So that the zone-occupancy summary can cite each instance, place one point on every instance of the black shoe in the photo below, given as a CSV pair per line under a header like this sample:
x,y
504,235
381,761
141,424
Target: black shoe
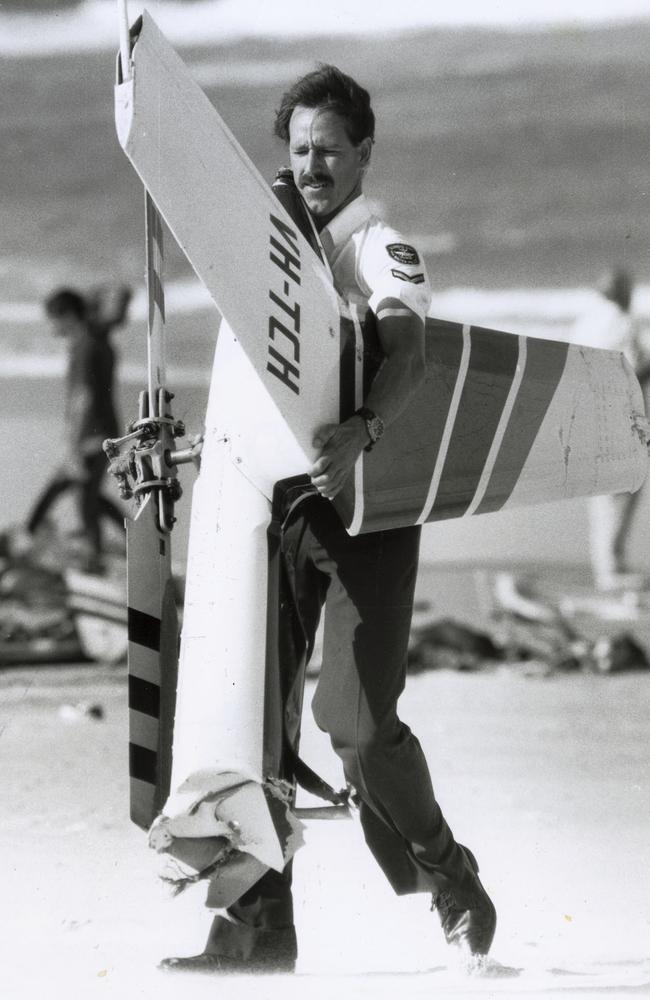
x,y
469,921
225,965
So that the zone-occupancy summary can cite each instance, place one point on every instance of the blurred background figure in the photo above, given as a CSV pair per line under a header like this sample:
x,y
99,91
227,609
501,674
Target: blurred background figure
x,y
609,323
86,321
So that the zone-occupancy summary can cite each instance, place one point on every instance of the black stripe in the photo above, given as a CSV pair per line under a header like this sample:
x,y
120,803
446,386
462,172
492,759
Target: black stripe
x,y
347,372
156,296
287,193
144,697
545,363
144,629
492,367
373,354
143,764
395,487
154,223
157,230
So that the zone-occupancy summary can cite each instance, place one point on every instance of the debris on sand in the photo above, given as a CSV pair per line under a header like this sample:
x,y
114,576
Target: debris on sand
x,y
36,625
622,652
75,713
536,635
51,610
451,645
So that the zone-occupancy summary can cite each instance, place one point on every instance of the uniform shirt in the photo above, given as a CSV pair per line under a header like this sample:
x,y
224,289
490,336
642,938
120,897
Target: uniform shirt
x,y
371,262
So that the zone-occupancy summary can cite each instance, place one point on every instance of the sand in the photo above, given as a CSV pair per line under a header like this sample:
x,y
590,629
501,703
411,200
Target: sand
x,y
546,779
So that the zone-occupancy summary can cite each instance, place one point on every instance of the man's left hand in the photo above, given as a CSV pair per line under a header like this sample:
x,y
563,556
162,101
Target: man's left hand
x,y
341,446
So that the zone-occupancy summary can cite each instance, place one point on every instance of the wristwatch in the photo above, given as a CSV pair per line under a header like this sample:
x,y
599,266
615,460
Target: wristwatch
x,y
374,425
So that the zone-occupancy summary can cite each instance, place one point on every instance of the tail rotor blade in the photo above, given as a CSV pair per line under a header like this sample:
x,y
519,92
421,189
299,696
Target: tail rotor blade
x,y
153,663
152,616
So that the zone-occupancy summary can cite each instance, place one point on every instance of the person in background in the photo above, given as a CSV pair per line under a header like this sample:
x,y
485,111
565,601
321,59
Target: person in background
x,y
90,416
610,324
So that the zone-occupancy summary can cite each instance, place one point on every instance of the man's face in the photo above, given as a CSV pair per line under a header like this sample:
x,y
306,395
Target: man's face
x,y
327,167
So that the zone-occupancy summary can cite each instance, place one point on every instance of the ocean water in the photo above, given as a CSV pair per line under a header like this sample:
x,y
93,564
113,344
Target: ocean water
x,y
517,159
63,25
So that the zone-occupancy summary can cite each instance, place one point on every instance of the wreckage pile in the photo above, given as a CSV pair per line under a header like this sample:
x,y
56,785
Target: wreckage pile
x,y
36,623
537,636
51,612
52,609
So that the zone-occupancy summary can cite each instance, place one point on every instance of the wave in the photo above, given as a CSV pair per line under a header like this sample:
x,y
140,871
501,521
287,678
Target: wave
x,y
549,313
552,305
92,24
181,299
53,366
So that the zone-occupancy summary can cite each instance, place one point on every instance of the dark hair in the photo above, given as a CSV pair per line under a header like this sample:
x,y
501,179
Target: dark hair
x,y
65,302
328,87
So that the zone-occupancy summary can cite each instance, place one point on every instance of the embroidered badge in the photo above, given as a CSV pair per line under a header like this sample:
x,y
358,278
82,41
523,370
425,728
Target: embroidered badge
x,y
415,279
403,253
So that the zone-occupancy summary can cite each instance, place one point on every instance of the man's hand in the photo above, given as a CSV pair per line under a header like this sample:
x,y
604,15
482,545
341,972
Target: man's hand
x,y
341,446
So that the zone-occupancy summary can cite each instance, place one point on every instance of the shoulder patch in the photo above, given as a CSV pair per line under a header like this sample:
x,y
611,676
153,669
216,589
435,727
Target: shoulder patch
x,y
403,253
415,279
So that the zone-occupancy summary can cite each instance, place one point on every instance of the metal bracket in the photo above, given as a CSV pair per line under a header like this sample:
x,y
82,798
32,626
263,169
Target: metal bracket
x,y
149,463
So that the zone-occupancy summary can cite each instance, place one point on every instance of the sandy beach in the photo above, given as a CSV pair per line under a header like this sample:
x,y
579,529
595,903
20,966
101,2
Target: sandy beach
x,y
546,778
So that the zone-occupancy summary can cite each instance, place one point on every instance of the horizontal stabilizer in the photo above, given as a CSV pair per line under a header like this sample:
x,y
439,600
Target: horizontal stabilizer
x,y
502,421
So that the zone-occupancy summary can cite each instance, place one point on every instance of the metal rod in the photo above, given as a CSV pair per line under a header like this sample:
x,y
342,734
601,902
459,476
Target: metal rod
x,y
156,299
323,812
125,39
185,455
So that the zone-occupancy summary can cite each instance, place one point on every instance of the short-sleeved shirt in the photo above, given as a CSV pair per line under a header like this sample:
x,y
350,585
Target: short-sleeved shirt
x,y
371,262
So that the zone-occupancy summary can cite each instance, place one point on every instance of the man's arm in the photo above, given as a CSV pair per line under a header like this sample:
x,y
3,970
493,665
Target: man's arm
x,y
401,334
108,306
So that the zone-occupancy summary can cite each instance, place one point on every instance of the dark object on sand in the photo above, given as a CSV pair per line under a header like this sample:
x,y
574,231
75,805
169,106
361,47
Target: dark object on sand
x,y
452,645
36,625
617,653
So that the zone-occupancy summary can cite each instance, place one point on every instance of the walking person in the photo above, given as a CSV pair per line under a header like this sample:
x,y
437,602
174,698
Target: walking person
x,y
89,413
365,583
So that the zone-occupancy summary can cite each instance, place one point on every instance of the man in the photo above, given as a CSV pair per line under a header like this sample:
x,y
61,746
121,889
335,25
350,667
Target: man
x,y
366,582
90,416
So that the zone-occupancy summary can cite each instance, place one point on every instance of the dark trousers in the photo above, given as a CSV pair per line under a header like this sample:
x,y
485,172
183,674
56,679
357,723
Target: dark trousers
x,y
92,505
367,585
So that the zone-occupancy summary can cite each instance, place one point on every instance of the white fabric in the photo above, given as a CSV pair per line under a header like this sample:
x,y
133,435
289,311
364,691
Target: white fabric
x,y
356,242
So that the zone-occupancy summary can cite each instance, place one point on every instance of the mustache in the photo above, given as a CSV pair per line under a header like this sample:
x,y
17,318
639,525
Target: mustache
x,y
315,179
